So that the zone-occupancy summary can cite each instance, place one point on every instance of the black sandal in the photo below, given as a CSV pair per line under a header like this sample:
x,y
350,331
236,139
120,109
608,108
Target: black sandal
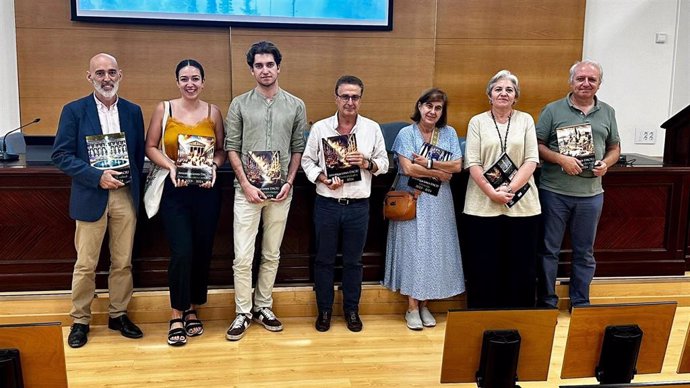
x,y
177,332
193,327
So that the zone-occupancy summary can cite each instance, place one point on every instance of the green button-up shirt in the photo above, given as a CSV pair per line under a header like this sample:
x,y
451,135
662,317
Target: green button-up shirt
x,y
255,123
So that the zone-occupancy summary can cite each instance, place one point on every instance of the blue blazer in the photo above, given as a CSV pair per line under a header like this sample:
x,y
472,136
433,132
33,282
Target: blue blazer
x,y
80,119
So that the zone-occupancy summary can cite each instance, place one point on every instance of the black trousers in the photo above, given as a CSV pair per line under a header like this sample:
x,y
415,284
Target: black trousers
x,y
499,256
190,217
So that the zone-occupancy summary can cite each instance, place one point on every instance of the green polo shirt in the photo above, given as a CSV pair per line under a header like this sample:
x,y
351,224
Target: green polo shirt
x,y
254,123
562,113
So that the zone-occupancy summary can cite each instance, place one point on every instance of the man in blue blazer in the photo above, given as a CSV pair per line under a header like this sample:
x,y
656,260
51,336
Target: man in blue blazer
x,y
99,201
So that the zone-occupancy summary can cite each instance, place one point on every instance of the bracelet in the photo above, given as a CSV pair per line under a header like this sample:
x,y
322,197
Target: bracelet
x,y
428,164
216,164
288,182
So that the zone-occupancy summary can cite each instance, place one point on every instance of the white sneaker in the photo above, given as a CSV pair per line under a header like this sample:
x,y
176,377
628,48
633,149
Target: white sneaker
x,y
414,322
427,318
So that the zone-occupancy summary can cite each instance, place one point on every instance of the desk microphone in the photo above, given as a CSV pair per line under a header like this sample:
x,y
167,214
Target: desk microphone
x,y
4,156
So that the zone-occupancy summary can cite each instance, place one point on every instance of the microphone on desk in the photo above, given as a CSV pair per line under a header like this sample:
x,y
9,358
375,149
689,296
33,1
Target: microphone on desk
x,y
4,156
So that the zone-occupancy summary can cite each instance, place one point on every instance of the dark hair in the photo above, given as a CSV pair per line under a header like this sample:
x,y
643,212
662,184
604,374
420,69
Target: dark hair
x,y
349,80
432,95
189,62
263,47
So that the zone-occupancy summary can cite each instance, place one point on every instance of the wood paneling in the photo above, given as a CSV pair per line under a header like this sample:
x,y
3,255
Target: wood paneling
x,y
455,45
641,232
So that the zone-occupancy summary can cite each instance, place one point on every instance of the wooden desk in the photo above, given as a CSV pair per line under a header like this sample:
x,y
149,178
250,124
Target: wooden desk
x,y
643,230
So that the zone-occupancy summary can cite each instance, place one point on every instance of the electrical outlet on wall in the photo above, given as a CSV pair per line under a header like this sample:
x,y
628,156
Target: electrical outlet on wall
x,y
645,136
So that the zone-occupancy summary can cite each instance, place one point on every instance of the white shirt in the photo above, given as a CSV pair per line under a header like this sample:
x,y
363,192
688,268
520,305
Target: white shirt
x,y
109,117
370,144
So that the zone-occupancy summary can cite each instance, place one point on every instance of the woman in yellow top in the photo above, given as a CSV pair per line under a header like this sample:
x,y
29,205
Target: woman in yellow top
x,y
189,210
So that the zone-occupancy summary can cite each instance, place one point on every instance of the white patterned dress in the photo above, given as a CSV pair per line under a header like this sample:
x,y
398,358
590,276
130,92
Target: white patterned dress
x,y
423,255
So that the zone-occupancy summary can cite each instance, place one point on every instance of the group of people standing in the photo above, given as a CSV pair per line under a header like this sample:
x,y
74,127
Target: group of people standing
x,y
500,244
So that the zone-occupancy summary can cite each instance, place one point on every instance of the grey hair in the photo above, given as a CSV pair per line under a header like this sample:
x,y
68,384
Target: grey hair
x,y
503,74
586,62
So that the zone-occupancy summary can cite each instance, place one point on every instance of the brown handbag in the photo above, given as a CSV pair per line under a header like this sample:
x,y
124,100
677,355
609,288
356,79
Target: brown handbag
x,y
400,205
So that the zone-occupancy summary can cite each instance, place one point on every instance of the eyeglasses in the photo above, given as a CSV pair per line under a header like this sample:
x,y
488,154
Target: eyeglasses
x,y
346,97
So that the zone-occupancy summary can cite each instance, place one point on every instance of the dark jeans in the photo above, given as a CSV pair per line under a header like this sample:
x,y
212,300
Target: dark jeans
x,y
331,218
581,215
499,255
190,216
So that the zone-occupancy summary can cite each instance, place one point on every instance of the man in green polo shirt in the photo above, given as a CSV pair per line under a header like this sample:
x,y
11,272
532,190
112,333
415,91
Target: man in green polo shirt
x,y
570,188
265,122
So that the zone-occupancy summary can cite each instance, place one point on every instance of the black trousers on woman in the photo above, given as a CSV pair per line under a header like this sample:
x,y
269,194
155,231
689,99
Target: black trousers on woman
x,y
499,255
190,217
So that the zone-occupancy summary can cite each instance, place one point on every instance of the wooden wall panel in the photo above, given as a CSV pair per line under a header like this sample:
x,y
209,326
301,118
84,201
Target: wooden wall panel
x,y
535,40
53,59
395,66
453,44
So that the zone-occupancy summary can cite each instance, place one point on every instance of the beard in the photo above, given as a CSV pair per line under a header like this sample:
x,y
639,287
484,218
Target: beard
x,y
106,93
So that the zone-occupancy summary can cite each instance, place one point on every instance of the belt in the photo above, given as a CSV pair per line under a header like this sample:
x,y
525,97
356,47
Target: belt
x,y
345,201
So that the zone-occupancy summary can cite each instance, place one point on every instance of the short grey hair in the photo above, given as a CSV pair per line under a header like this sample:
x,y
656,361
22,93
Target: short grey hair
x,y
503,74
586,62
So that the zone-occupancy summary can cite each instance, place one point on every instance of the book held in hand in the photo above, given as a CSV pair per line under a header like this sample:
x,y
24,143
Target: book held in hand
x,y
195,158
577,141
109,152
430,185
262,169
502,173
335,148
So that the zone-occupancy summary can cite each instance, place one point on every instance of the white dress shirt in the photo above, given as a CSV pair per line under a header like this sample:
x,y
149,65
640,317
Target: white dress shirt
x,y
109,117
370,144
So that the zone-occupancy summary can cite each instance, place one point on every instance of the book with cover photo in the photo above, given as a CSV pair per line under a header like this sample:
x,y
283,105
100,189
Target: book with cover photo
x,y
430,185
262,169
577,141
195,158
109,152
335,148
502,173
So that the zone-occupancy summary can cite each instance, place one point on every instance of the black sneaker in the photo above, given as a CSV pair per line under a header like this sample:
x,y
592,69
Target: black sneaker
x,y
265,316
238,327
353,321
323,321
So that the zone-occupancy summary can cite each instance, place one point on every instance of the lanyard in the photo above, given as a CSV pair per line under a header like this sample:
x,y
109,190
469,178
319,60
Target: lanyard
x,y
503,142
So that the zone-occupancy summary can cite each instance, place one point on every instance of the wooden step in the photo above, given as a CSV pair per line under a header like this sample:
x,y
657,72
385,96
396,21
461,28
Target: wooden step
x,y
152,306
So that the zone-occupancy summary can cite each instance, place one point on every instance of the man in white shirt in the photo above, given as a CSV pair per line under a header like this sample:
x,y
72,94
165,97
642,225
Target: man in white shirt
x,y
342,206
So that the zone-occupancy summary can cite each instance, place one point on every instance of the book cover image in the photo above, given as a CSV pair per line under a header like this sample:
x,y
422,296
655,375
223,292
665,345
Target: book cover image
x,y
109,152
430,185
262,169
335,148
577,141
195,158
502,173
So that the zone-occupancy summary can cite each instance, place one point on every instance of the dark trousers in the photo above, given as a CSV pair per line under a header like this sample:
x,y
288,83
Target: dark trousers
x,y
499,255
330,219
190,216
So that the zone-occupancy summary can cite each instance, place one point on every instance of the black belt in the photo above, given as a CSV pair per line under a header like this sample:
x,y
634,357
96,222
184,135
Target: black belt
x,y
345,201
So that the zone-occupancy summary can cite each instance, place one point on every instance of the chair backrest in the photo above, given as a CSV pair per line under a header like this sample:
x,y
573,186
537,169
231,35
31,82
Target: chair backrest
x,y
390,131
15,143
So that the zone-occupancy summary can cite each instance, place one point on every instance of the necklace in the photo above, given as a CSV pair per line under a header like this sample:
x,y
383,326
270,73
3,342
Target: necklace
x,y
502,142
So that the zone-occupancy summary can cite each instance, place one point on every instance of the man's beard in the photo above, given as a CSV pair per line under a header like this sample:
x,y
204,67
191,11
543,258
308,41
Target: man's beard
x,y
106,93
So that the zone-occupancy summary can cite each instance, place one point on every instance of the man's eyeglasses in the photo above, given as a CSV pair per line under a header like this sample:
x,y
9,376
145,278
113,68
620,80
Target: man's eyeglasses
x,y
346,97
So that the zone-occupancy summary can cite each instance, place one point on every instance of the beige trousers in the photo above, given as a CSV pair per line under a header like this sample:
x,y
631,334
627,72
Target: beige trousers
x,y
120,220
245,228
